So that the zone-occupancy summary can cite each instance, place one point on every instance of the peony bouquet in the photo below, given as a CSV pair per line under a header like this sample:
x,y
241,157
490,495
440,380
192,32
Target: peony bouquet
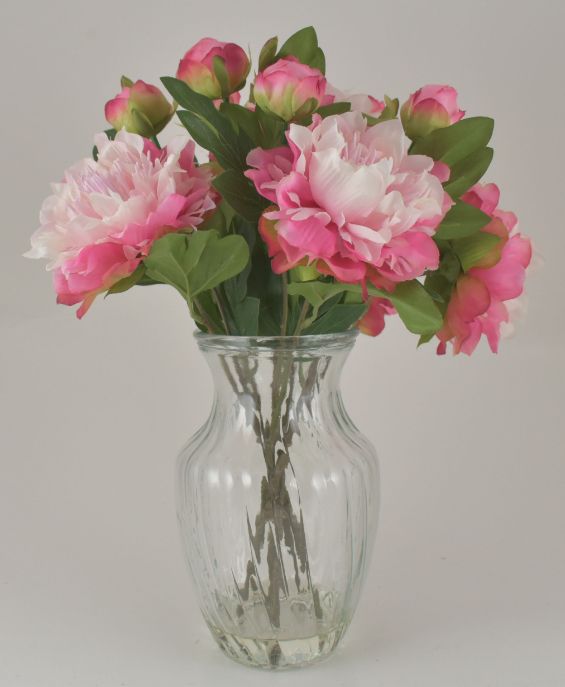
x,y
313,210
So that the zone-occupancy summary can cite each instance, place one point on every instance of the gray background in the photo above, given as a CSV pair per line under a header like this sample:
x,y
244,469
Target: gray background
x,y
467,583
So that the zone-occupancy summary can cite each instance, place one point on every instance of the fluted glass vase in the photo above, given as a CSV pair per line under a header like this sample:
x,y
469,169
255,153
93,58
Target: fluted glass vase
x,y
277,499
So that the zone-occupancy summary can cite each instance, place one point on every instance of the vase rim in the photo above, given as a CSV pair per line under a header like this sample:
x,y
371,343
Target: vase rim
x,y
303,342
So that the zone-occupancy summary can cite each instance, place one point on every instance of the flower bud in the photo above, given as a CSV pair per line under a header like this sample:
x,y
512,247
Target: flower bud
x,y
289,89
429,108
139,108
214,69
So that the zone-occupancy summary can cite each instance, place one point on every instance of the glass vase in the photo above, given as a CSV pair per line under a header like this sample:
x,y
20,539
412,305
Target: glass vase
x,y
277,498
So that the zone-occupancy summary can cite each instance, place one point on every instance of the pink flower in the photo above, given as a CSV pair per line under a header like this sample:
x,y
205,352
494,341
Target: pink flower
x,y
197,67
103,218
270,168
350,198
429,108
373,322
482,298
289,89
140,109
359,102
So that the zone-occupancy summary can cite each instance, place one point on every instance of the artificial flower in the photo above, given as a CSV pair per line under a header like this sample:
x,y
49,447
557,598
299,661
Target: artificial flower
x,y
140,108
289,89
198,69
430,107
360,102
350,198
103,218
483,297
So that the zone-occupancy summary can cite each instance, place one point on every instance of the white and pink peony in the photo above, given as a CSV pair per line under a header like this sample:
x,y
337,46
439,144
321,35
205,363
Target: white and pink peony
x,y
104,216
350,198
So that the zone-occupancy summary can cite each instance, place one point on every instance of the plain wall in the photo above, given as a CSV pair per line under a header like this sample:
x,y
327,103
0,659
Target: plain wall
x,y
467,582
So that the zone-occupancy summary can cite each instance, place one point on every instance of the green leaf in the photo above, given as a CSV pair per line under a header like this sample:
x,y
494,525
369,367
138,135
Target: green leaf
x,y
304,273
303,45
461,220
334,108
468,171
319,60
271,129
317,292
450,267
243,120
268,53
473,249
240,194
424,338
246,316
390,112
173,256
337,319
127,282
221,259
197,262
416,308
414,305
439,287
210,128
126,82
456,142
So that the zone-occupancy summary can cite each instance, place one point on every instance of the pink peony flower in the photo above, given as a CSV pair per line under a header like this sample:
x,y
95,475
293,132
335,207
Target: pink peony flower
x,y
429,108
104,216
373,321
197,67
289,89
482,298
140,109
359,102
350,198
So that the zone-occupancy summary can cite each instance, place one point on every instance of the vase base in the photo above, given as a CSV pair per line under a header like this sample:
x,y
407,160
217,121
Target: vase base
x,y
275,653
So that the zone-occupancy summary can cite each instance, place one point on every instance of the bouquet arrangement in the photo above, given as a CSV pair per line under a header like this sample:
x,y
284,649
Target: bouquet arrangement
x,y
316,211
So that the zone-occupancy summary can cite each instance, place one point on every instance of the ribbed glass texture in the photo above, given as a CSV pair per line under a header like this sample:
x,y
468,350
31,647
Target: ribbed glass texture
x,y
277,499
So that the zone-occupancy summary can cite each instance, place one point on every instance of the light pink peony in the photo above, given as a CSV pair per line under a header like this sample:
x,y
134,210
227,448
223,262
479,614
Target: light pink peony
x,y
350,198
483,297
104,216
140,108
197,67
360,102
289,89
429,108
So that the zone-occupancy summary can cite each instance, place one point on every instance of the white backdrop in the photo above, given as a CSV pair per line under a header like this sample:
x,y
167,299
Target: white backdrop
x,y
467,582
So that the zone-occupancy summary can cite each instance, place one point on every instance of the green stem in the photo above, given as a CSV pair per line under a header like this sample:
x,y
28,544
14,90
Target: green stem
x,y
203,316
284,322
218,302
301,318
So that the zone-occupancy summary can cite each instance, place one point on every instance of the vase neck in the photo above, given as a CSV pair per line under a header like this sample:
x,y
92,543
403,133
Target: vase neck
x,y
276,375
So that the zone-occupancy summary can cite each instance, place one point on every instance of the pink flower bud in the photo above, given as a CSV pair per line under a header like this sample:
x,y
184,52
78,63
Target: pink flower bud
x,y
140,109
213,68
289,89
429,108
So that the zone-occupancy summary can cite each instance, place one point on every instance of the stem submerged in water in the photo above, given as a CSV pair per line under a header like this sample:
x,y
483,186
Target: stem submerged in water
x,y
278,529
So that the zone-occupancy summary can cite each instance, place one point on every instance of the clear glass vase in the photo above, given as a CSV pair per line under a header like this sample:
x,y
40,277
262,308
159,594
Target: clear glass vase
x,y
277,499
